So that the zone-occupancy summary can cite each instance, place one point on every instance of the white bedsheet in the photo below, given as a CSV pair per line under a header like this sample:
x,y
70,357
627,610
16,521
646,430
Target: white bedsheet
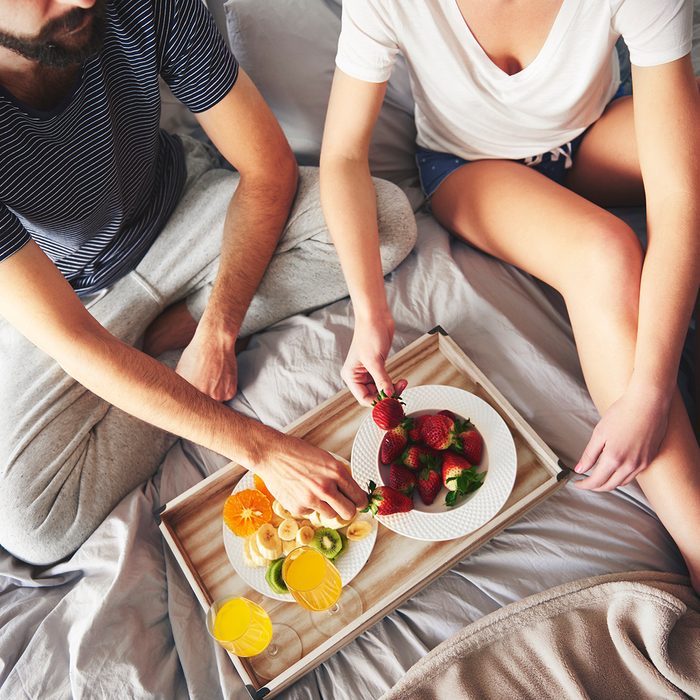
x,y
118,620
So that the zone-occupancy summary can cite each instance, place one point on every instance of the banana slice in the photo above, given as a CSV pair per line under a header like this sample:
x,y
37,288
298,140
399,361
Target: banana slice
x,y
305,523
256,558
246,555
315,519
269,544
335,523
287,530
276,520
278,508
288,546
304,535
358,530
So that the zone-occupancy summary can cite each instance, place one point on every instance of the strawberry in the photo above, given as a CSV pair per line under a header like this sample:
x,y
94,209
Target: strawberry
x,y
393,443
387,411
428,484
472,443
414,456
437,432
414,431
383,500
402,479
452,466
459,477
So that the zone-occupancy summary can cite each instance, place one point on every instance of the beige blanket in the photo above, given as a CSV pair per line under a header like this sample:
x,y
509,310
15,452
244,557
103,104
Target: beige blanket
x,y
633,635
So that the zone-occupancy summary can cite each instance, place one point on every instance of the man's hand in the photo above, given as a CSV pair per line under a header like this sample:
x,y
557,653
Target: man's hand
x,y
364,370
626,440
209,364
304,478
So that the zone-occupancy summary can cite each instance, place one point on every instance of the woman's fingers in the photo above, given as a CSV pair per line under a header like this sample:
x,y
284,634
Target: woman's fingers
x,y
590,455
399,386
382,380
360,383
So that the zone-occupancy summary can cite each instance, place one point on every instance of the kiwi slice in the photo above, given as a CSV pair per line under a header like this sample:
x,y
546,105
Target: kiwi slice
x,y
343,545
327,541
273,576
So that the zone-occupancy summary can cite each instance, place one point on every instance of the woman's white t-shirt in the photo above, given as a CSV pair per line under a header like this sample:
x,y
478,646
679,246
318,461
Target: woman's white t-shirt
x,y
467,106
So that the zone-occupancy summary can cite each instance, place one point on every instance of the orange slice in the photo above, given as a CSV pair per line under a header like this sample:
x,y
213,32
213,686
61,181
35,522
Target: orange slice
x,y
260,486
246,511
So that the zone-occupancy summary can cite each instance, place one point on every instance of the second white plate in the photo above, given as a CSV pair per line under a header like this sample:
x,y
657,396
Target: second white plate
x,y
438,522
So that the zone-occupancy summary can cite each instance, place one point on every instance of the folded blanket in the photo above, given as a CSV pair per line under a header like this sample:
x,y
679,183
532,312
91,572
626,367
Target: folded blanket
x,y
632,635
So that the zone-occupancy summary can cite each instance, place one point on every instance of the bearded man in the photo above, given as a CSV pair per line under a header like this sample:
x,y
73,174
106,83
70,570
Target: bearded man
x,y
115,234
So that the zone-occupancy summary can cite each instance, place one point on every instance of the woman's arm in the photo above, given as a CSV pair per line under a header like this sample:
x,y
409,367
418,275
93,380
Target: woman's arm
x,y
349,205
667,126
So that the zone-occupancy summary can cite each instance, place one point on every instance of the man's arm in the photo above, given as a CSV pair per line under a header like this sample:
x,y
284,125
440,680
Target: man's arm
x,y
247,134
37,300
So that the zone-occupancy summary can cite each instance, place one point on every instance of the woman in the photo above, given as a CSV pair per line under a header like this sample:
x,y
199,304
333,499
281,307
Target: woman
x,y
522,140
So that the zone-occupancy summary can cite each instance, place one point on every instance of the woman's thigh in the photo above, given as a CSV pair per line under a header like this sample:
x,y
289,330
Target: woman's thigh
x,y
606,165
520,216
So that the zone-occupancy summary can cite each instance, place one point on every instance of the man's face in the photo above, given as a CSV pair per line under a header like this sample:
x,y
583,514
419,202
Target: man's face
x,y
55,33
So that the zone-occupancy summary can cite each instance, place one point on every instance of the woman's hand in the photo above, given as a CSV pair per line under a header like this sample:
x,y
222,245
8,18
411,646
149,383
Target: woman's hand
x,y
626,439
364,370
304,478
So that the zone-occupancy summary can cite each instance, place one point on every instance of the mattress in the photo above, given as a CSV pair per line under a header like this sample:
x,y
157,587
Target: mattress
x,y
118,618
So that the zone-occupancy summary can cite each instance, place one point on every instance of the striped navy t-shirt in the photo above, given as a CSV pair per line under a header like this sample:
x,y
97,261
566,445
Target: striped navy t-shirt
x,y
94,180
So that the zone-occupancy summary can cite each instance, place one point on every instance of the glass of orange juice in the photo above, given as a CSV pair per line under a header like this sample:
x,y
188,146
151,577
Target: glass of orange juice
x,y
311,578
243,628
316,585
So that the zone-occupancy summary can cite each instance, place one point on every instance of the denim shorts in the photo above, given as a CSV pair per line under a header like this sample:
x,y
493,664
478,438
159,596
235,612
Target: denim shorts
x,y
434,167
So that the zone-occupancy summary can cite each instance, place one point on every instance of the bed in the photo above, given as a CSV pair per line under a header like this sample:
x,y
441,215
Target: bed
x,y
118,619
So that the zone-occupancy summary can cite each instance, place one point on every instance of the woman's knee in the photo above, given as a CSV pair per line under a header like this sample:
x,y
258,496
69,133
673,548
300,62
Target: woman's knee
x,y
609,264
396,222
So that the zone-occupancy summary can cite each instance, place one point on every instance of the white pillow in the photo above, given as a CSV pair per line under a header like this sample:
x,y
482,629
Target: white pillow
x,y
288,48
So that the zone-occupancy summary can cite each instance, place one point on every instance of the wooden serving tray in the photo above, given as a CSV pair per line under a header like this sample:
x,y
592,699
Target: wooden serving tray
x,y
192,523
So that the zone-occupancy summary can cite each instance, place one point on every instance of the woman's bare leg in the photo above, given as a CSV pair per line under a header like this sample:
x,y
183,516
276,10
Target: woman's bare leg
x,y
594,260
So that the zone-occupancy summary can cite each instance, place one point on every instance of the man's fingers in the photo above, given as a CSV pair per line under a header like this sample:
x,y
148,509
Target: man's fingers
x,y
305,512
354,493
339,503
326,511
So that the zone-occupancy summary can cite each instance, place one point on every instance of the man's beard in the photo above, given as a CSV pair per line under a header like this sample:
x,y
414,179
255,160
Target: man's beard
x,y
52,48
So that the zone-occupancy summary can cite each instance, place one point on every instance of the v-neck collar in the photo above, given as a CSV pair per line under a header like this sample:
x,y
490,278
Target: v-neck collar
x,y
554,37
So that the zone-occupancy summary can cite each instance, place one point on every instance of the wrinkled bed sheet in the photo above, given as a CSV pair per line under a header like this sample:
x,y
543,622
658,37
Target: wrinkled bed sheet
x,y
118,620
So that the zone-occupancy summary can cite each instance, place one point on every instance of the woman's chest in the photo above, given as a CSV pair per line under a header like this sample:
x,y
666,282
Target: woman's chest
x,y
511,33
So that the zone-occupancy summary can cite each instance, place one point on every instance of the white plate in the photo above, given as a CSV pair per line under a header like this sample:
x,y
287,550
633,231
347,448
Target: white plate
x,y
438,522
349,563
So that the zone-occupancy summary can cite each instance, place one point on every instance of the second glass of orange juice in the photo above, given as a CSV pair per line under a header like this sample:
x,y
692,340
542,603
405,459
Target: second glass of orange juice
x,y
311,578
240,626
244,628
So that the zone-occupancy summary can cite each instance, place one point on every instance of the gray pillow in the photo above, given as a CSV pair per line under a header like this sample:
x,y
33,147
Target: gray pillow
x,y
288,48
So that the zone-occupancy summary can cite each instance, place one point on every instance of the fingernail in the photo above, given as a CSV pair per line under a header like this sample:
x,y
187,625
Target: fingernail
x,y
578,468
